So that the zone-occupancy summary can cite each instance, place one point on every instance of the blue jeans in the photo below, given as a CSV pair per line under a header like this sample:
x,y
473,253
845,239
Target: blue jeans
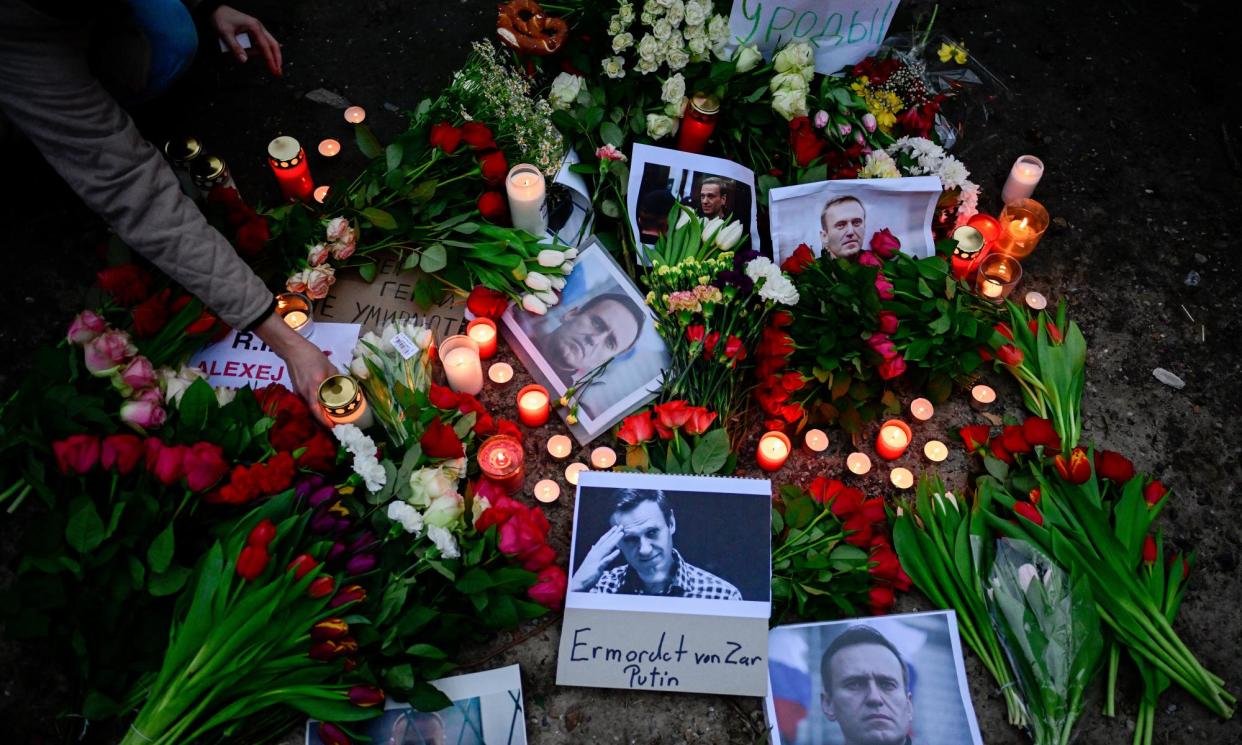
x,y
139,54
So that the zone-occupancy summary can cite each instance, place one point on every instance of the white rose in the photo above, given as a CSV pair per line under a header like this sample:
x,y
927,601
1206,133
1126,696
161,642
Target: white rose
x,y
696,13
565,89
677,110
538,282
426,484
550,257
788,81
621,42
174,382
666,4
660,126
478,507
626,13
534,305
444,510
697,45
662,29
790,104
797,58
444,541
615,25
317,254
676,13
677,59
674,89
747,58
653,8
718,29
729,237
406,516
614,67
648,48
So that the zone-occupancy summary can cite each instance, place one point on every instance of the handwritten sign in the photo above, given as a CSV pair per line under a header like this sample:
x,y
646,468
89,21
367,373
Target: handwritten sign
x,y
242,359
389,298
663,652
842,32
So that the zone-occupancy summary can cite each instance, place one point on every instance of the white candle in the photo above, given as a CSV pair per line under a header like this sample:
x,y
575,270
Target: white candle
x,y
547,491
902,478
321,193
329,147
992,288
922,409
982,396
559,446
355,114
295,318
501,372
572,471
816,440
858,463
1036,300
936,451
1023,178
460,356
525,187
603,457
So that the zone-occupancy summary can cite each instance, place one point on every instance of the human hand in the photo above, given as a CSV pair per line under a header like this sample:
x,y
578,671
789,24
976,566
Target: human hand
x,y
230,22
597,559
308,365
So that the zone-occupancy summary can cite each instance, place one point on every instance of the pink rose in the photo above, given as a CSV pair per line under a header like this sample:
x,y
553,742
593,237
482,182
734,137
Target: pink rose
x,y
318,281
142,414
297,281
164,462
609,152
883,286
139,374
342,250
85,327
107,352
203,465
885,244
882,345
317,254
821,119
549,587
867,258
339,231
888,322
891,368
869,122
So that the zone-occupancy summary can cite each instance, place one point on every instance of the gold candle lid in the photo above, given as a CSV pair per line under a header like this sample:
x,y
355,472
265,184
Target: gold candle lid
x,y
969,240
207,170
339,394
705,103
182,150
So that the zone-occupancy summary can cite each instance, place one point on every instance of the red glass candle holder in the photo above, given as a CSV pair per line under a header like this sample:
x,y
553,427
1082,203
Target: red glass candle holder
x,y
969,249
502,461
483,331
534,406
698,123
773,450
288,162
894,438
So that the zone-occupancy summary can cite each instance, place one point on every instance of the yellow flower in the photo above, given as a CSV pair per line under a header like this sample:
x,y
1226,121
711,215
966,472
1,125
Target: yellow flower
x,y
949,51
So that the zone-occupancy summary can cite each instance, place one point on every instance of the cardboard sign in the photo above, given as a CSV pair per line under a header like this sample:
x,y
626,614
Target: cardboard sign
x,y
842,32
671,586
389,298
242,359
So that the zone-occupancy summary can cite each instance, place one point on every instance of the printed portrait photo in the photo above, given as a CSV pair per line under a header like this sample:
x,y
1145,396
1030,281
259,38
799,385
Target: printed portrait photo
x,y
601,322
890,680
487,709
667,537
710,187
840,217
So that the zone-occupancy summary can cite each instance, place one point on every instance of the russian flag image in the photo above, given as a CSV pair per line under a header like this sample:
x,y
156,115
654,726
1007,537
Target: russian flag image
x,y
791,681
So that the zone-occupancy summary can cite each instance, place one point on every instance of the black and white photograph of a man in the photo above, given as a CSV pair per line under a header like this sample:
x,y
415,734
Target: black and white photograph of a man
x,y
663,542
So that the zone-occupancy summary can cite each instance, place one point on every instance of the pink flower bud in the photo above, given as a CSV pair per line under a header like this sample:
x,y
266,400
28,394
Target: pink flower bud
x,y
845,128
86,326
869,122
139,373
142,415
821,119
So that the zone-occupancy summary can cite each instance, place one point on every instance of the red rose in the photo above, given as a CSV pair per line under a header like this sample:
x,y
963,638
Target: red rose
x,y
494,207
975,436
806,143
1153,493
883,287
868,258
203,465
884,565
508,427
76,453
672,414
151,314
294,425
445,136
888,322
885,244
318,453
1009,355
121,452
846,502
1014,442
1114,466
549,588
799,260
1076,469
477,135
494,167
485,302
1027,510
1039,431
792,412
882,345
500,510
695,333
892,368
997,446
252,236
539,558
636,429
523,533
781,319
251,562
881,600
440,441
442,397
699,421
127,284
164,461
873,510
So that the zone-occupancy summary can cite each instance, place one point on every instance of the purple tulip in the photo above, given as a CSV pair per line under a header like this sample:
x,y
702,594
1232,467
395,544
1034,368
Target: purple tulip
x,y
360,564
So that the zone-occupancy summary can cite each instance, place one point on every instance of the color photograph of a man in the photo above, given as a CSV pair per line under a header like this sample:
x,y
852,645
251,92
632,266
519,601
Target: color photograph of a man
x,y
843,226
715,197
867,689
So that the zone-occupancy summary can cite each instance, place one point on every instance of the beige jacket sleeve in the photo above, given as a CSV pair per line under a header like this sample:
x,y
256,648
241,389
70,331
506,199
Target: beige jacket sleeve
x,y
48,92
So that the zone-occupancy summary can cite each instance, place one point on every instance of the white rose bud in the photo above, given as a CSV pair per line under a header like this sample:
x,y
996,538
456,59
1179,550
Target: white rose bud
x,y
748,57
550,257
660,126
538,282
534,305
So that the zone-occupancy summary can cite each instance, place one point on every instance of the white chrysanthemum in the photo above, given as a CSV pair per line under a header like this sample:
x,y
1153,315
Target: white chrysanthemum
x,y
444,541
614,67
408,517
953,174
673,89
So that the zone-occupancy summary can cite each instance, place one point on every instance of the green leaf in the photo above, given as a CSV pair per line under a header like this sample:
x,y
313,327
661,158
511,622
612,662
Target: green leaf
x,y
368,271
711,452
426,650
160,552
169,582
367,143
475,580
401,676
85,529
434,258
611,134
393,155
379,218
197,404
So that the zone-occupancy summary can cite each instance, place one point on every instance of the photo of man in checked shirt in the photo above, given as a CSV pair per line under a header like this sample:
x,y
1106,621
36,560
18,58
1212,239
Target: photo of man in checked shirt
x,y
642,529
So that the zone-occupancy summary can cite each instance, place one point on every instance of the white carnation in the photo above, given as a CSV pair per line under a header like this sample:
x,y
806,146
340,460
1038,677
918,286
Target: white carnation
x,y
444,541
778,288
408,517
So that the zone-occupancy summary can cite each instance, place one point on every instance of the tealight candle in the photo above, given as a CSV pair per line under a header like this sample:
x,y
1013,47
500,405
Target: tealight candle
x,y
603,458
982,396
321,193
922,409
288,163
936,451
1036,300
1023,178
998,276
893,439
858,463
483,331
527,205
295,309
547,491
502,461
1023,223
560,446
329,148
500,372
773,450
460,356
901,478
355,114
533,405
816,440
572,470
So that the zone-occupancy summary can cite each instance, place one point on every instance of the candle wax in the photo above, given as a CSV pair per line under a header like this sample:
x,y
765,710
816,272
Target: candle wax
x,y
858,463
547,491
329,148
533,400
895,437
603,457
295,318
992,288
572,471
1036,300
501,372
816,440
902,478
983,394
922,409
355,114
559,446
936,451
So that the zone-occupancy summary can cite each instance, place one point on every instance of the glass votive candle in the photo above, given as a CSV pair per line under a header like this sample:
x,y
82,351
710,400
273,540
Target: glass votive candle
x,y
460,357
483,331
1022,225
560,446
294,309
998,276
503,462
533,405
1023,178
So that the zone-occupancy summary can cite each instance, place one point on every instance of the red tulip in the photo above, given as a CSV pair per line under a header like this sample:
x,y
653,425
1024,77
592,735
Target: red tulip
x,y
366,696
1004,330
1054,334
1113,466
1029,512
1076,469
330,649
1034,495
76,453
261,534
1154,492
1009,355
975,436
636,428
445,136
330,734
1149,551
348,594
321,586
301,565
440,441
251,562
